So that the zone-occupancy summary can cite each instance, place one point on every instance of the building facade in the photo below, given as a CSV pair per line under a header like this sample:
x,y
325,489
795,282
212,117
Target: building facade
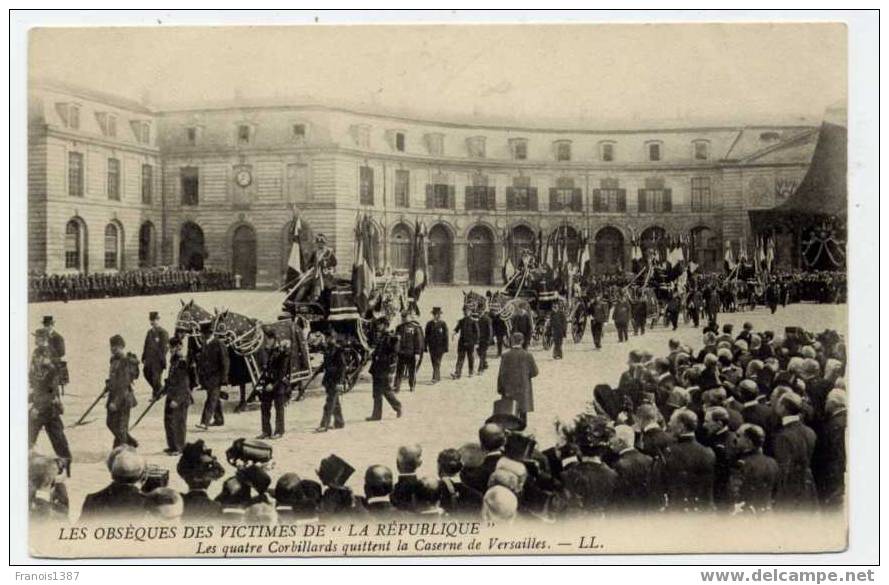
x,y
231,179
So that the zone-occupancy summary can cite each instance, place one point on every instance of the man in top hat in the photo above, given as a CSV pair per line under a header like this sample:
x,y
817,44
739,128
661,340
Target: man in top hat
x,y
337,499
410,349
437,339
383,359
154,353
123,371
467,330
198,467
44,403
178,399
56,344
517,369
122,497
212,366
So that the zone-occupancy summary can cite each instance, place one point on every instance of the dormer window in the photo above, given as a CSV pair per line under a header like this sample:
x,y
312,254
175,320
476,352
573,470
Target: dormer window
x,y
701,149
562,150
361,135
475,145
107,123
70,114
399,141
245,134
519,148
141,130
435,143
654,151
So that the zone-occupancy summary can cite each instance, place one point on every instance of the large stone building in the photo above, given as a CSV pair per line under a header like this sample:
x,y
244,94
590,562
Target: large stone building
x,y
223,182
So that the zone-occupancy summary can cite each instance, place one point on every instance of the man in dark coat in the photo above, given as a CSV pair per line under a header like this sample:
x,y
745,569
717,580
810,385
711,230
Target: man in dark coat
x,y
122,498
589,484
829,460
598,311
558,324
57,350
722,441
754,476
637,488
274,386
524,324
198,467
154,353
178,399
653,441
334,367
404,493
485,334
639,308
212,370
382,365
410,349
517,369
755,412
500,331
437,338
688,467
467,330
491,438
44,402
377,492
457,498
621,317
672,310
793,446
123,370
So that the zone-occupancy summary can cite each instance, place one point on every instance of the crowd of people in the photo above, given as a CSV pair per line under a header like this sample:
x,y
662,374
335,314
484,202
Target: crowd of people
x,y
749,423
126,283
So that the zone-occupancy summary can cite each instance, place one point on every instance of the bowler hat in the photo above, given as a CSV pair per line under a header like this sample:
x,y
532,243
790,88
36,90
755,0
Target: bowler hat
x,y
48,320
153,315
117,341
288,491
334,471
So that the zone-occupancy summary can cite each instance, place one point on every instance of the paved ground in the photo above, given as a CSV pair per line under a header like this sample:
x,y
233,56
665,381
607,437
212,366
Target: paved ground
x,y
437,417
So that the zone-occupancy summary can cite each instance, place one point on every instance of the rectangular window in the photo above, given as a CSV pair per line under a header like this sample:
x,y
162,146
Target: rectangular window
x,y
191,135
74,117
113,179
147,179
701,198
607,152
655,201
520,150
75,174
564,196
111,245
366,186
654,152
243,134
521,196
72,246
190,184
440,197
702,151
299,131
609,198
479,197
399,141
563,151
402,188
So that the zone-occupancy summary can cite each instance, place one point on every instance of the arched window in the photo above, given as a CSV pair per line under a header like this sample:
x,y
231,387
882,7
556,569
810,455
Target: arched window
x,y
75,245
400,247
112,247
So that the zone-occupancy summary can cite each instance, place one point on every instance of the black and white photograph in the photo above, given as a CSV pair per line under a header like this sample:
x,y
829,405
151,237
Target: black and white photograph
x,y
416,290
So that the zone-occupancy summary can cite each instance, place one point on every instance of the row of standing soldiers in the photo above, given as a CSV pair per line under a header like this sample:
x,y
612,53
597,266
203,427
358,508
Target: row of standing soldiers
x,y
69,287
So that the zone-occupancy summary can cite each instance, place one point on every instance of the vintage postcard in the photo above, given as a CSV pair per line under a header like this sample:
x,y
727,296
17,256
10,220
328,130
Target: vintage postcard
x,y
436,290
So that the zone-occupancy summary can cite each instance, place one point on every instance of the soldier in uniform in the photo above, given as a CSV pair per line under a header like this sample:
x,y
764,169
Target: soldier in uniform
x,y
334,367
467,329
124,369
383,361
754,476
500,330
154,353
558,325
212,370
437,339
325,259
410,349
56,345
485,335
274,386
688,466
598,317
621,317
178,399
44,403
794,446
639,308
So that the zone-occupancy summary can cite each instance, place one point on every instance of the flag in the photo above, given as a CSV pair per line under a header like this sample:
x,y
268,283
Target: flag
x,y
770,254
729,257
508,269
760,255
362,273
295,260
583,256
419,276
